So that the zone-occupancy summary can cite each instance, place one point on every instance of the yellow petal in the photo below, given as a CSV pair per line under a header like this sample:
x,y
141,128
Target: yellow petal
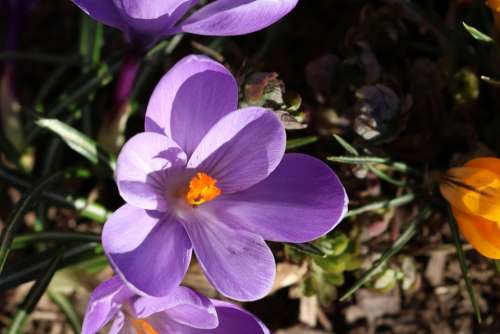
x,y
479,195
488,163
482,234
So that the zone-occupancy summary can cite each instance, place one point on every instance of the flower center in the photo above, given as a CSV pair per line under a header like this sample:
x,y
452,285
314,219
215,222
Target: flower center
x,y
143,327
202,188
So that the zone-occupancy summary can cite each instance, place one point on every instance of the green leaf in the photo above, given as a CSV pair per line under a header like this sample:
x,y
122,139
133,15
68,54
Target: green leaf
x,y
77,141
463,264
384,204
31,300
24,204
307,248
478,35
58,237
26,270
299,142
65,306
403,239
348,147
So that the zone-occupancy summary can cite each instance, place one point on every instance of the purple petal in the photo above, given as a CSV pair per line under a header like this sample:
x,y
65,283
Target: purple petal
x,y
103,11
148,21
234,319
195,94
151,262
118,325
142,168
183,305
242,149
300,201
104,304
239,264
236,17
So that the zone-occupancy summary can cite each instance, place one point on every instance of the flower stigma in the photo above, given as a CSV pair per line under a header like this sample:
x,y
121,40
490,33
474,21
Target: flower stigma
x,y
143,327
202,188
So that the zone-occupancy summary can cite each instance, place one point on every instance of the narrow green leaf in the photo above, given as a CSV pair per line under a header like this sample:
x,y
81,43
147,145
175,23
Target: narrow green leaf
x,y
77,141
362,160
403,239
31,300
58,237
31,268
348,147
299,142
463,264
65,306
384,204
383,176
307,248
24,204
478,35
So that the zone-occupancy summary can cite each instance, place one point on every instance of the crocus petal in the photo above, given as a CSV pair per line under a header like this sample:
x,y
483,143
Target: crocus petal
x,y
160,258
482,234
119,325
148,21
142,168
300,201
104,304
195,94
182,305
488,163
234,319
480,196
103,11
239,264
236,17
242,149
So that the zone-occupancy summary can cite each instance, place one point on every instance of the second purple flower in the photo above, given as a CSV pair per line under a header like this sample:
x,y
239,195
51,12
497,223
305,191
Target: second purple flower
x,y
209,177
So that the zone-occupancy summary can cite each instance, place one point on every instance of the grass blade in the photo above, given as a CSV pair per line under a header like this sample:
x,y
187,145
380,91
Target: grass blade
x,y
463,265
59,237
299,142
385,204
24,204
307,248
30,269
31,300
65,306
77,141
478,35
396,247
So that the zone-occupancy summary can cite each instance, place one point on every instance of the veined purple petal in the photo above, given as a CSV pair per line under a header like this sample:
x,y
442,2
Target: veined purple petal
x,y
157,264
242,149
236,17
195,94
104,304
142,168
183,305
239,264
300,201
103,11
234,319
120,325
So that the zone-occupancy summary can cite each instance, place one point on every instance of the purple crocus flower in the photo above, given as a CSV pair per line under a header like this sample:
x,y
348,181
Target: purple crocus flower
x,y
184,311
145,21
208,177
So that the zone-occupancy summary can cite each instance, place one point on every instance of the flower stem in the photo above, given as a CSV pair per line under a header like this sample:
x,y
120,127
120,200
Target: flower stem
x,y
111,135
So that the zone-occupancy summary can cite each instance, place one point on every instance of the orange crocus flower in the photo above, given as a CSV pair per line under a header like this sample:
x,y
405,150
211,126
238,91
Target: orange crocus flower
x,y
473,192
494,6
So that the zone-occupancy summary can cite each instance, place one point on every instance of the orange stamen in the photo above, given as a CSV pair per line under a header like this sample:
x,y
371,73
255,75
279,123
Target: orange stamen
x,y
143,327
202,188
